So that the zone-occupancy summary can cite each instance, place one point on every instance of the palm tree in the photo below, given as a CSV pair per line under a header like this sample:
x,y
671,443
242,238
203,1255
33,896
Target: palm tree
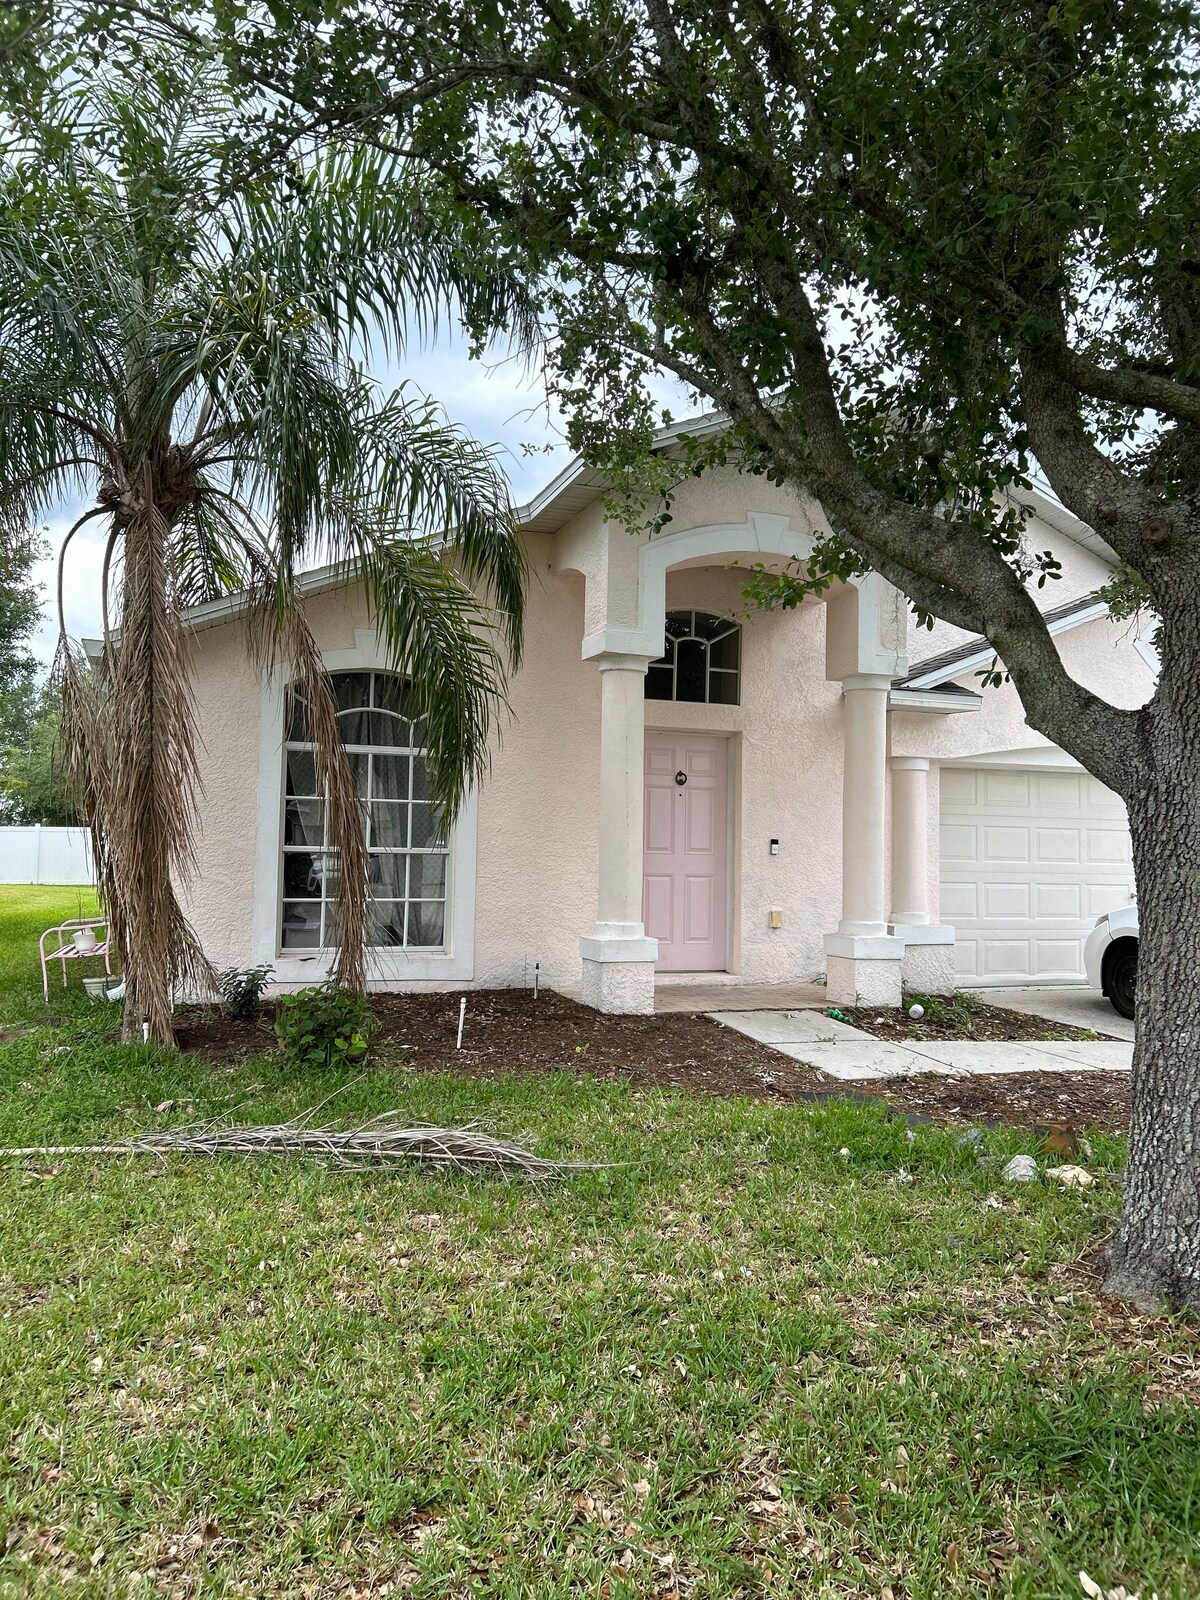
x,y
181,358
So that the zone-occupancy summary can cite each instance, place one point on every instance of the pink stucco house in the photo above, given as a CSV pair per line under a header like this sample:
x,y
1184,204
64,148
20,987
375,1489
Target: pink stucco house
x,y
687,787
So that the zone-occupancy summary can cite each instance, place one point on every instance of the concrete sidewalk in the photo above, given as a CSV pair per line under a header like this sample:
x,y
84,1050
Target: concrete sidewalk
x,y
850,1054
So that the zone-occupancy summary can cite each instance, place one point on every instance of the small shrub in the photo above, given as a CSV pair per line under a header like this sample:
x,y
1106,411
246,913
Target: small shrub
x,y
323,1027
241,989
936,1009
959,1010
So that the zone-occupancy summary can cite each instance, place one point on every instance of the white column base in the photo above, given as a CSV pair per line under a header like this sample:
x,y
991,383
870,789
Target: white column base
x,y
863,970
618,969
928,964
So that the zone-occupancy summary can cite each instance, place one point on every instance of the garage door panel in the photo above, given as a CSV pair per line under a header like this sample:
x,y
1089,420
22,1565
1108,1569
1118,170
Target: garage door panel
x,y
960,902
1005,789
966,962
1005,844
1007,960
1061,901
1006,900
1056,846
959,843
958,786
1102,802
1029,861
1058,791
1057,958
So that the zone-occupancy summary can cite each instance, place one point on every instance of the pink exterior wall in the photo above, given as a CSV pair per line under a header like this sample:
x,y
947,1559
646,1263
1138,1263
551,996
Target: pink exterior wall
x,y
536,879
537,811
219,899
537,840
536,822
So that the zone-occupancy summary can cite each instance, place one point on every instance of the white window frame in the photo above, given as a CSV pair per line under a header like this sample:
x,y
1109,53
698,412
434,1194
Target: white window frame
x,y
674,641
384,965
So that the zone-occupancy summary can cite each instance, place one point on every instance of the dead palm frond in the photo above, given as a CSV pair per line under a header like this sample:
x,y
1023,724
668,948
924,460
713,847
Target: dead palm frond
x,y
385,1142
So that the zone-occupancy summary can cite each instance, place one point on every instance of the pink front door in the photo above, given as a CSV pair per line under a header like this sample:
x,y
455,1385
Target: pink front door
x,y
684,873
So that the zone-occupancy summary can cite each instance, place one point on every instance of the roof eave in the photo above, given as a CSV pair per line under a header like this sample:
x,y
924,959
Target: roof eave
x,y
933,701
576,486
977,654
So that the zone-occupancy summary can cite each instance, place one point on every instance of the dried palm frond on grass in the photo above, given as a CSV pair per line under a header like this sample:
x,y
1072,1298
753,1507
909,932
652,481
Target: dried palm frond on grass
x,y
383,1142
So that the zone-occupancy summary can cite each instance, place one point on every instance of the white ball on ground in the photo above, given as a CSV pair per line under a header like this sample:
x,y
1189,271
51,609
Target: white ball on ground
x,y
916,1012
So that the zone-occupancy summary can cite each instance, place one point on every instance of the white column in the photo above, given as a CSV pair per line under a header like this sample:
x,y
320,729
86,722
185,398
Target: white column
x,y
910,840
622,747
862,960
864,804
618,959
928,965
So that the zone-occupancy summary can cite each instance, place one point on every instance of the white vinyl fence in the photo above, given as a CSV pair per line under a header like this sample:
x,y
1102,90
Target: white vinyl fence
x,y
45,855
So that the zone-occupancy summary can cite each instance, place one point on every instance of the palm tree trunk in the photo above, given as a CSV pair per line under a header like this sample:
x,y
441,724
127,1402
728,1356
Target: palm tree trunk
x,y
145,818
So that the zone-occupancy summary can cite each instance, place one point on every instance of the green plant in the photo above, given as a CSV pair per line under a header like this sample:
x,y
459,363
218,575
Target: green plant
x,y
958,1010
323,1027
241,988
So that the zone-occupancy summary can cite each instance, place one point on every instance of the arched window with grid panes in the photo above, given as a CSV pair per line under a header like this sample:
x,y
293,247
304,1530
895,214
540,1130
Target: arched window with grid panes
x,y
409,856
702,662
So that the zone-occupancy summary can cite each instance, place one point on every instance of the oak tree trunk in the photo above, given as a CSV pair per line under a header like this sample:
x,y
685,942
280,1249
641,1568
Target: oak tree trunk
x,y
1155,1255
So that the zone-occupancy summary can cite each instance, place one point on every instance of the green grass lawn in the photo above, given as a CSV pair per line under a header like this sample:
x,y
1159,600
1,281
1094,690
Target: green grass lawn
x,y
26,911
740,1362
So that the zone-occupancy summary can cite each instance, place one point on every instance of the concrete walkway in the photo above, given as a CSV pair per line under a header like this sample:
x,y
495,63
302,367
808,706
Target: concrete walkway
x,y
848,1053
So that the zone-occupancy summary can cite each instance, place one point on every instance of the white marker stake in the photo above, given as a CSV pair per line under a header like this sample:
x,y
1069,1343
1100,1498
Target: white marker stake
x,y
537,973
146,1032
462,1017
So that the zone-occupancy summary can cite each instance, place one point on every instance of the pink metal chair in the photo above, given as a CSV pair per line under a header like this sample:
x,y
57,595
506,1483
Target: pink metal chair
x,y
67,950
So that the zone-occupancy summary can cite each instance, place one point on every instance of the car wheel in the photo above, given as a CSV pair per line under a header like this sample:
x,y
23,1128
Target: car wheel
x,y
1120,976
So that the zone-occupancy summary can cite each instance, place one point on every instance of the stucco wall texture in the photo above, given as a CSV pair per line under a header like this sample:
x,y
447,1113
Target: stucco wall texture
x,y
535,890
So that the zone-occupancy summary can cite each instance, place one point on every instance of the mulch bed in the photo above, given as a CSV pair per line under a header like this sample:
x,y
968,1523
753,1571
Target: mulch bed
x,y
980,1022
508,1031
1047,1101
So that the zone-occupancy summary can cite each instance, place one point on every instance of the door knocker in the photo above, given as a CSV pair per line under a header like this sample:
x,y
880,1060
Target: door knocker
x,y
681,778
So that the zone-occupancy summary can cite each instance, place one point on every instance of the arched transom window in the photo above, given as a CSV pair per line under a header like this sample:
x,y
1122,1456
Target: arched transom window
x,y
409,855
701,663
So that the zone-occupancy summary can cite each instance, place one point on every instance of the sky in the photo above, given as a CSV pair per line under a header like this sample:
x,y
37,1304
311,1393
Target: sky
x,y
495,400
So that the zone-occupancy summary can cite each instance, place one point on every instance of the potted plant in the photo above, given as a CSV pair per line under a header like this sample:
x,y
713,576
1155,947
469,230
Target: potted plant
x,y
84,940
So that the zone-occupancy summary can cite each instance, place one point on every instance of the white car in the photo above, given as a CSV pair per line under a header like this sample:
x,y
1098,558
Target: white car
x,y
1110,956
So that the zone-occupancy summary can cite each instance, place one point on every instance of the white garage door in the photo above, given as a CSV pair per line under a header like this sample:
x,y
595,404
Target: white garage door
x,y
1029,861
